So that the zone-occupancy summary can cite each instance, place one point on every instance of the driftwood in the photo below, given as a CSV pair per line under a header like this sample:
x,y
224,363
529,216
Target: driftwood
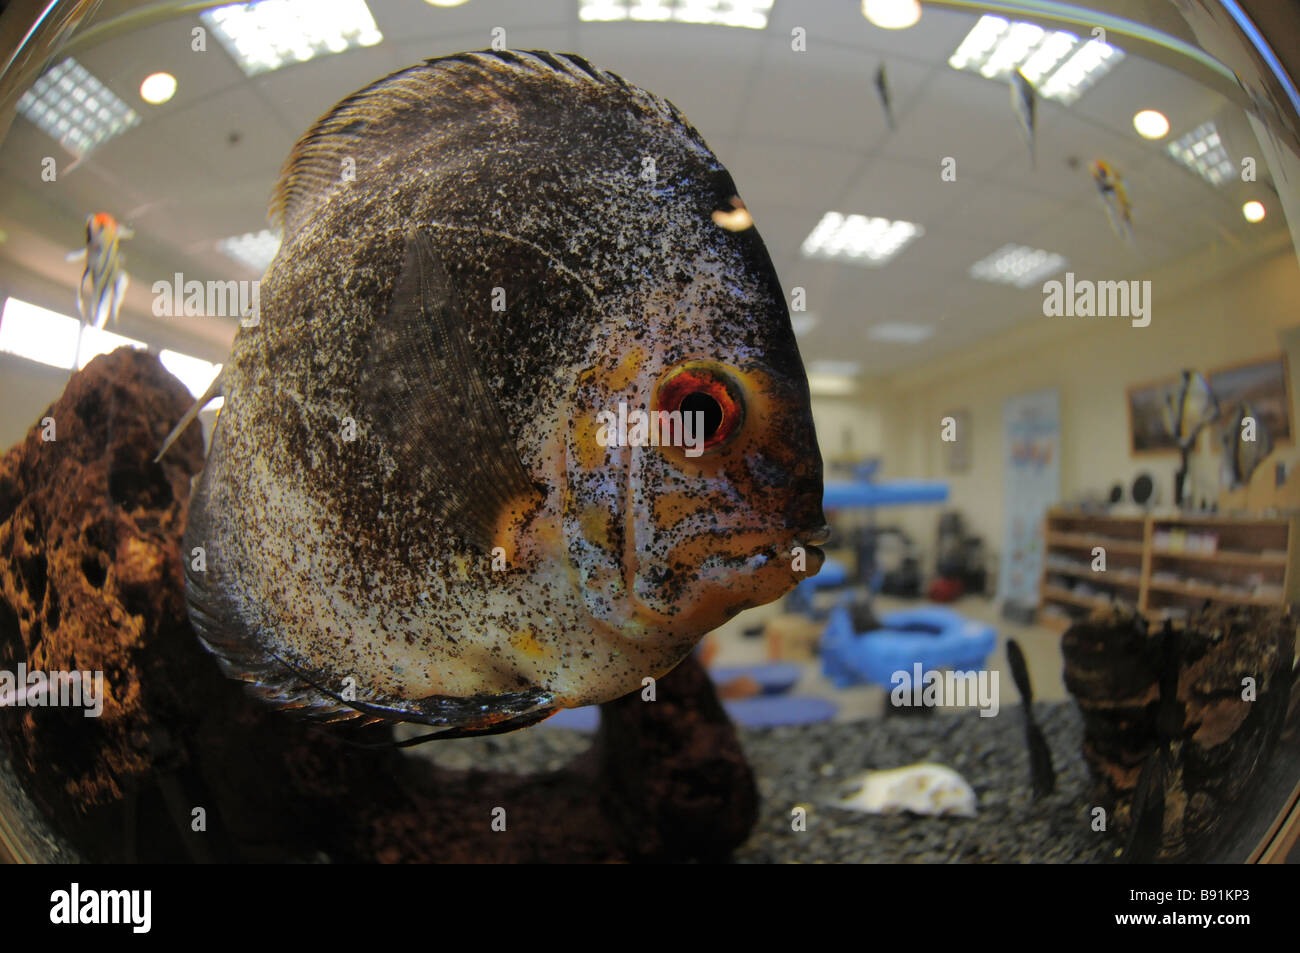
x,y
90,579
1178,721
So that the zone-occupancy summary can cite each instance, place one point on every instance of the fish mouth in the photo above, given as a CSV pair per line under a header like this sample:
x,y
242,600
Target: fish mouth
x,y
811,539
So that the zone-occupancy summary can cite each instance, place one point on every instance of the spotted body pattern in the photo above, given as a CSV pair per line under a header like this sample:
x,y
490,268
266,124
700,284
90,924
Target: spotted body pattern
x,y
406,513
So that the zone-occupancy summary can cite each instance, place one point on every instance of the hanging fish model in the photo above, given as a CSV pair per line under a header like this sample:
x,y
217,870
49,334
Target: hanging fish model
x,y
103,282
1114,198
1246,441
1024,103
417,506
882,92
1186,411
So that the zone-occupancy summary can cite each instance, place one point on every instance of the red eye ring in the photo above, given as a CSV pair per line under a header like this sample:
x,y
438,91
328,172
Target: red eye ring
x,y
703,388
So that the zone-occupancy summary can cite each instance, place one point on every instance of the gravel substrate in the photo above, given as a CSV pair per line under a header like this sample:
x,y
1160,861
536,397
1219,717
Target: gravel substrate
x,y
809,765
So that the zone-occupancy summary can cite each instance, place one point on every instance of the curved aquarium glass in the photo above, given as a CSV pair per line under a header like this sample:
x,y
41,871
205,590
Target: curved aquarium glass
x,y
649,430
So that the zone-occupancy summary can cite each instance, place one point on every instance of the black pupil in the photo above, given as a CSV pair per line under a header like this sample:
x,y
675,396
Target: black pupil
x,y
700,402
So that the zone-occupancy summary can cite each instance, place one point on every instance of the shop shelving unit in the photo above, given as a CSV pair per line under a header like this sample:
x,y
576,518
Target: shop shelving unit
x,y
1164,565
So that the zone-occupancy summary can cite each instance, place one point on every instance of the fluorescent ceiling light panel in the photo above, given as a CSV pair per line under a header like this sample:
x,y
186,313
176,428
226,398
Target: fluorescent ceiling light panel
x,y
830,385
96,341
836,368
1017,265
898,333
1202,151
1057,62
273,33
859,238
38,334
48,337
75,108
195,373
255,250
750,14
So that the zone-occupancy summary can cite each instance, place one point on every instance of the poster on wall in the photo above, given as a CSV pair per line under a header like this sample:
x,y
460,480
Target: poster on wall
x,y
1031,445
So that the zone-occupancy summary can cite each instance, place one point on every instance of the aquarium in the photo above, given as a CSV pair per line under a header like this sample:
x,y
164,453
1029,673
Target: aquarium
x,y
580,431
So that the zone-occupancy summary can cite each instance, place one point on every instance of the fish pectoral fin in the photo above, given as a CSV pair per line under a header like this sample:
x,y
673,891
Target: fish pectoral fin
x,y
433,411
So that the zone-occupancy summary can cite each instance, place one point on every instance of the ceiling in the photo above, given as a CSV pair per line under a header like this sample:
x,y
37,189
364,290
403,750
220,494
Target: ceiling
x,y
801,132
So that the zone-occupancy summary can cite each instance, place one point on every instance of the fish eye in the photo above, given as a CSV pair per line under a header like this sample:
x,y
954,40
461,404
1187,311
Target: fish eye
x,y
708,390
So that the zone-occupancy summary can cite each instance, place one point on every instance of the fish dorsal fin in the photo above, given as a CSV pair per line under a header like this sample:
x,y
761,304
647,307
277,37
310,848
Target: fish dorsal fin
x,y
313,170
432,411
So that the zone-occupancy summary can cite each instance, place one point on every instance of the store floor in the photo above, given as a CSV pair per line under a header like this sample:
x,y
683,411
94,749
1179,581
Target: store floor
x,y
1040,645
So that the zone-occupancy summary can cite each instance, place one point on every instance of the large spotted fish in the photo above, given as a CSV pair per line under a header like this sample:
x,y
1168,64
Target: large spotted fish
x,y
418,505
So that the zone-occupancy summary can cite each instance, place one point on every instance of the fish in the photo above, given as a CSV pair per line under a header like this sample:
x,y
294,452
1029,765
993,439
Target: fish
x,y
103,282
412,509
1114,198
882,91
1042,774
1188,408
1242,457
1024,103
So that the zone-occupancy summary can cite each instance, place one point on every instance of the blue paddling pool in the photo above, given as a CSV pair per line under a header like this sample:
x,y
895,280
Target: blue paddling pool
x,y
932,636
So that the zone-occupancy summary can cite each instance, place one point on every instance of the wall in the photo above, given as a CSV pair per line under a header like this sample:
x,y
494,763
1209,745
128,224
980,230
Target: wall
x,y
1221,319
848,428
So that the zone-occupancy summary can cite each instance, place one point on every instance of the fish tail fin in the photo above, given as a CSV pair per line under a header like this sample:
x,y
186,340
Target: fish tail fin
x,y
211,394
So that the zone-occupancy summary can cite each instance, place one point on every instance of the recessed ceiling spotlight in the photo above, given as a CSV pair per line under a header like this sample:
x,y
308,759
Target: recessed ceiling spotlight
x,y
859,238
1057,62
1253,211
274,33
445,3
899,333
157,88
1151,124
256,250
1017,265
751,14
892,14
75,108
1202,151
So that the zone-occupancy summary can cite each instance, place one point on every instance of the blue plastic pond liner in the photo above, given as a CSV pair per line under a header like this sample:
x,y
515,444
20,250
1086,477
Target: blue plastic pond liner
x,y
773,678
933,636
764,711
843,494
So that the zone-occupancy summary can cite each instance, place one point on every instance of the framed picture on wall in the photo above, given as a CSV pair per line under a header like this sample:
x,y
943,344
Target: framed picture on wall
x,y
1260,383
1148,432
957,452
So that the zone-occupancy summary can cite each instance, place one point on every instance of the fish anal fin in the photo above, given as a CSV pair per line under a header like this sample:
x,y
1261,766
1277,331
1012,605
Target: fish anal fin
x,y
433,412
